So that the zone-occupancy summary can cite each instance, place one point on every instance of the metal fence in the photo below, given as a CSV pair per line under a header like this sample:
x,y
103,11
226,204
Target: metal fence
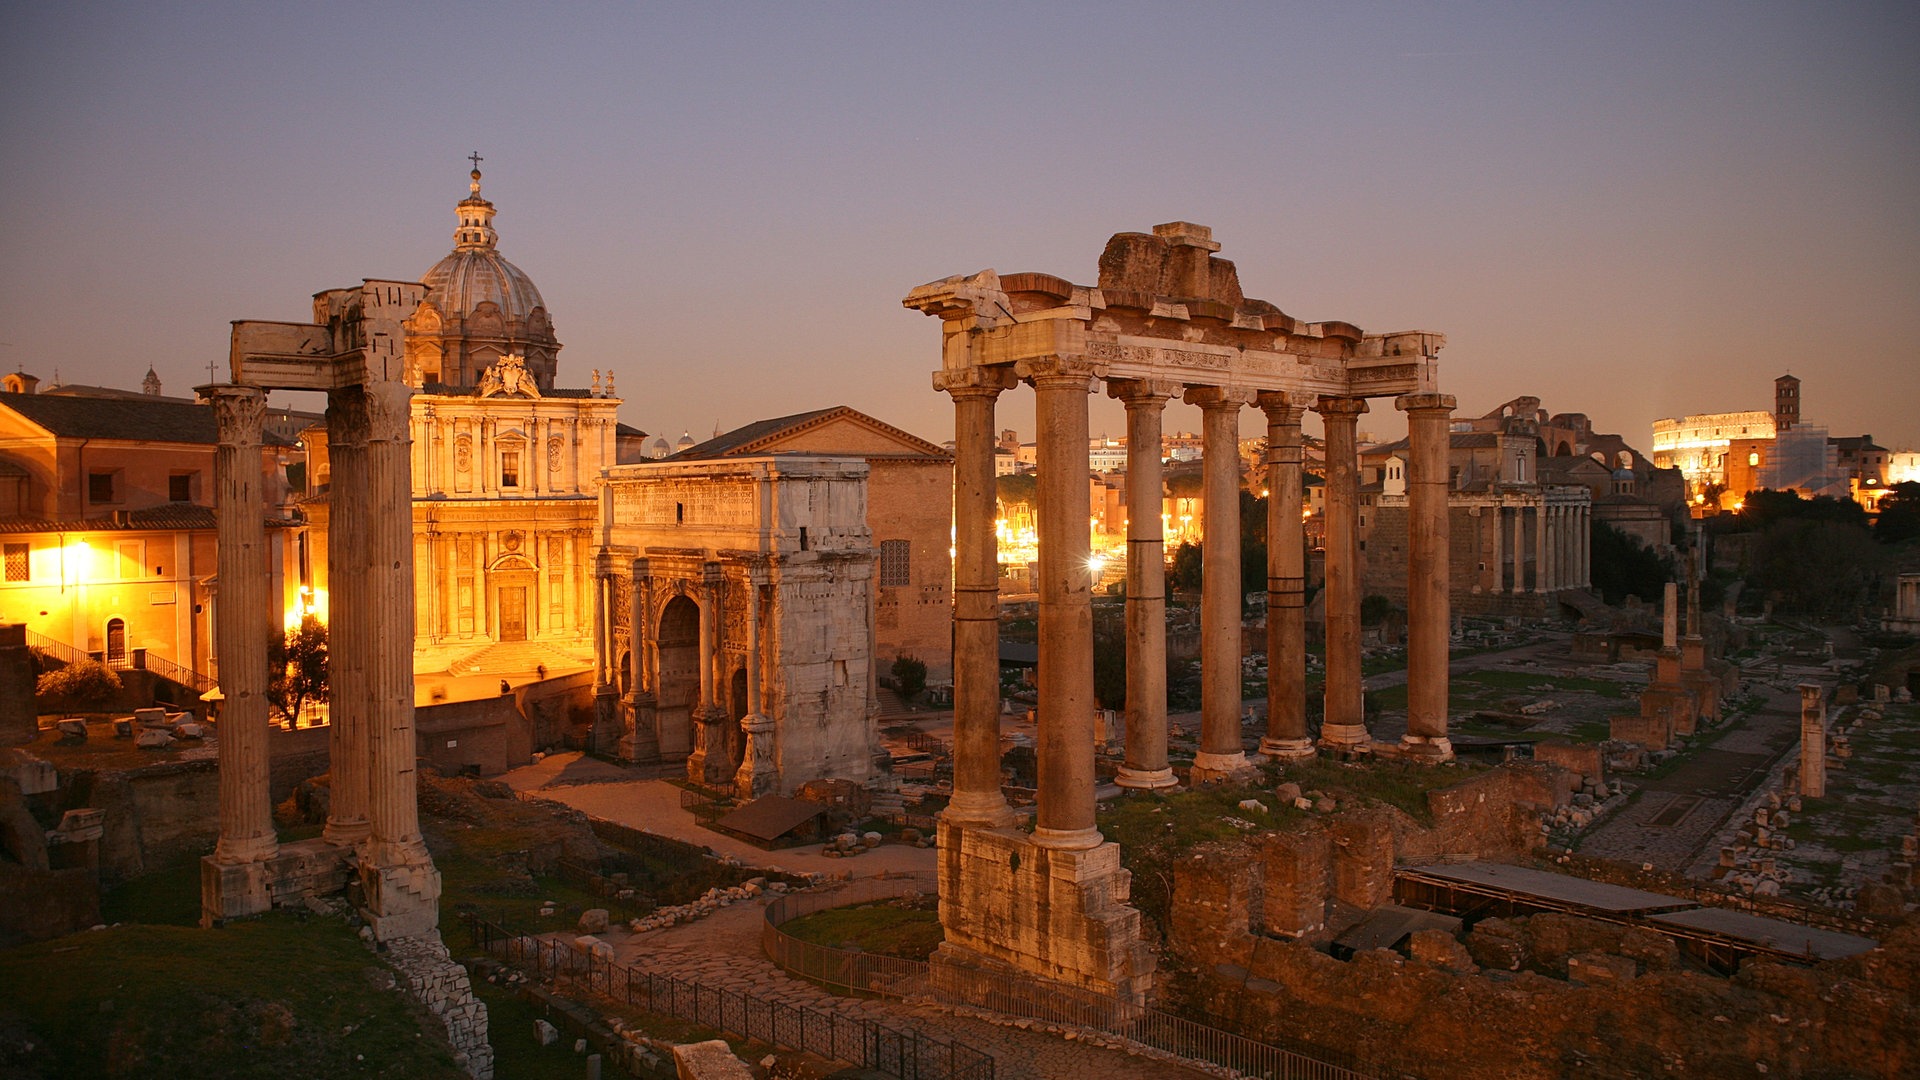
x,y
866,1043
867,974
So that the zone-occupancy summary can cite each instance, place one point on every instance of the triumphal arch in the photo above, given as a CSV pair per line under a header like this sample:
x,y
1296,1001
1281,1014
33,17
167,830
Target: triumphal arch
x,y
1167,319
354,351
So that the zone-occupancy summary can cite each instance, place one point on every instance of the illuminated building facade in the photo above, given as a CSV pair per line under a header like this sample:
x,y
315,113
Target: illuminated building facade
x,y
107,527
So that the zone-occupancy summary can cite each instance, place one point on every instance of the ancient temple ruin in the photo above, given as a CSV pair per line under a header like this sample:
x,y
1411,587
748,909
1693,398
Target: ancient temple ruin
x,y
353,350
1167,318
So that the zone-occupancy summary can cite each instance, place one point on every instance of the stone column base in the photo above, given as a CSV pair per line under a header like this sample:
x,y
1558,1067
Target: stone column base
x,y
298,870
1056,913
978,810
756,775
1145,779
1428,749
1287,749
1345,739
639,732
1215,768
401,900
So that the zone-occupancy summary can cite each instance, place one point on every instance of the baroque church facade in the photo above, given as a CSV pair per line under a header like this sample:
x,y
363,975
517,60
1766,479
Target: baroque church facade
x,y
506,469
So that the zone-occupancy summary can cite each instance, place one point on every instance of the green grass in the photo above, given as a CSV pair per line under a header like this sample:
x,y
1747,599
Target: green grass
x,y
169,896
1525,681
1397,783
909,929
273,997
517,1053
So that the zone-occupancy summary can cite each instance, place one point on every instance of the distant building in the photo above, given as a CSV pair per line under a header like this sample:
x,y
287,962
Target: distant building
x,y
909,513
107,529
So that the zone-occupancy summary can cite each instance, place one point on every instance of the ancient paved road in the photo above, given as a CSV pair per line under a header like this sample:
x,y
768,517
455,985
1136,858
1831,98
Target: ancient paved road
x,y
1672,818
724,950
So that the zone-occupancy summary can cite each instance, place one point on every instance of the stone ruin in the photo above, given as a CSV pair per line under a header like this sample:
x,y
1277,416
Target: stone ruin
x,y
354,350
1166,319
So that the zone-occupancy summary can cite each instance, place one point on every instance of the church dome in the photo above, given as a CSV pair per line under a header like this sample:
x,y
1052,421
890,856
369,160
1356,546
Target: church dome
x,y
479,307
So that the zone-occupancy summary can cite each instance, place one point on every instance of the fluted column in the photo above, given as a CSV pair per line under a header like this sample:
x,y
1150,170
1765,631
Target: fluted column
x,y
977,800
242,627
1065,804
638,601
1220,754
1344,726
393,804
1428,574
1286,735
1146,760
349,608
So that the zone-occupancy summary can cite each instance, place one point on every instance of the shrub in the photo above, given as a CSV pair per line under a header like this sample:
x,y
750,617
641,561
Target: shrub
x,y
82,686
910,675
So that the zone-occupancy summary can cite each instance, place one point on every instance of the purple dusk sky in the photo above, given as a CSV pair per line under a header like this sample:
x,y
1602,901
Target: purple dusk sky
x,y
1631,210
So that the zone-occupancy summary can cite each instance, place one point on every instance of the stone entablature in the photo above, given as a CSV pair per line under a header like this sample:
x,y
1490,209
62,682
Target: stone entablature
x,y
733,603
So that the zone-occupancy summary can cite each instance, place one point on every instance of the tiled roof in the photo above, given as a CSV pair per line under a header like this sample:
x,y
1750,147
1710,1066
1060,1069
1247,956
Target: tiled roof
x,y
748,439
168,517
130,419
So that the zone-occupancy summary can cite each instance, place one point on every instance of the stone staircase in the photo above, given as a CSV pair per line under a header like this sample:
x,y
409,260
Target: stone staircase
x,y
519,658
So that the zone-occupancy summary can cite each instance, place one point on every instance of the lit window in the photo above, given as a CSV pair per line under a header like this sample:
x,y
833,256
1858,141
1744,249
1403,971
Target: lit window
x,y
510,468
1753,458
896,566
17,564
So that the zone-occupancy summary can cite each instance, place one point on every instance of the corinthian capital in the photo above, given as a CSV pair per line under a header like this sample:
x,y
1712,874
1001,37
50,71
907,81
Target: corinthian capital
x,y
389,411
239,411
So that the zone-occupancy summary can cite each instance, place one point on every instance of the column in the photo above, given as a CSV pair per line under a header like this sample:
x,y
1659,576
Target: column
x,y
638,602
1220,753
1586,547
1519,549
241,627
755,777
1813,741
1344,726
349,610
1146,764
1065,804
1497,559
977,800
1542,569
1286,735
601,644
393,803
1428,574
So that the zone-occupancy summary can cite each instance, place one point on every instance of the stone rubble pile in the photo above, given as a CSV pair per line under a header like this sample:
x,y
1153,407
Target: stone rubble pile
x,y
711,901
1596,798
848,844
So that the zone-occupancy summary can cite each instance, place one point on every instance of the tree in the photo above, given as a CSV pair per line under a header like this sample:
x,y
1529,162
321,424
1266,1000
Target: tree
x,y
1899,514
1185,573
1822,568
1110,664
83,686
1623,567
297,668
909,676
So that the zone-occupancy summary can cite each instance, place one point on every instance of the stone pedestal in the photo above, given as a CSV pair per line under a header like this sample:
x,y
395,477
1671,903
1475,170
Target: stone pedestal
x,y
756,775
1059,914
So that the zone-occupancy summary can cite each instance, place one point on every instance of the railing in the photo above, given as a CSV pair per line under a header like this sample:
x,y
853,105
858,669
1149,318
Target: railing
x,y
867,974
185,676
866,1043
132,659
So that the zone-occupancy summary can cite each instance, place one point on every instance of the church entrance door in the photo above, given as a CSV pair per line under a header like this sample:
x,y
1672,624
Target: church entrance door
x,y
513,613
